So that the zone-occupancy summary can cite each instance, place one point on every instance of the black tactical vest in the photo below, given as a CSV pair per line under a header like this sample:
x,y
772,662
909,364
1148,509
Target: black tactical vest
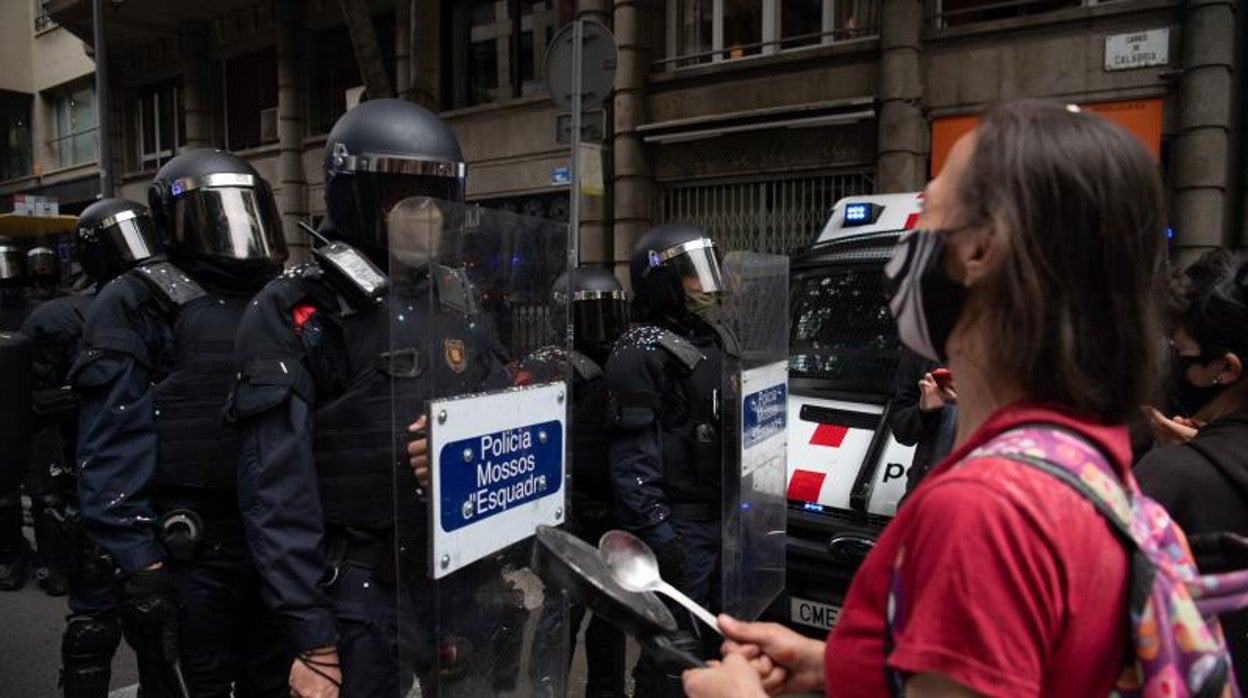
x,y
396,357
690,424
197,448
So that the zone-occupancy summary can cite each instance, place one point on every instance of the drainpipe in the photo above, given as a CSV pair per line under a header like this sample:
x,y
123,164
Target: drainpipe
x,y
403,48
901,164
634,180
293,203
1201,169
196,87
425,63
102,114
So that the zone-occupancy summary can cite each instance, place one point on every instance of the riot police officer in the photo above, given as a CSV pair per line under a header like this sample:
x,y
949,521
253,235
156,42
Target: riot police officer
x,y
13,280
14,363
664,378
327,352
157,464
41,268
110,236
599,313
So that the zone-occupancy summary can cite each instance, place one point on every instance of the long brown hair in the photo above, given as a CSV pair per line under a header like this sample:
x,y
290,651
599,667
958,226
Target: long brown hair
x,y
1072,308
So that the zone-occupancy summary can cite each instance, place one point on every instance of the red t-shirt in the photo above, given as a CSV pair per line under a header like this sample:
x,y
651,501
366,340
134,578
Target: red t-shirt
x,y
1014,584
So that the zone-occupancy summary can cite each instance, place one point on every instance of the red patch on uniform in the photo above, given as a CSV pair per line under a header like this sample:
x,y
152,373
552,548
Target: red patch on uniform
x,y
830,435
805,485
302,313
911,221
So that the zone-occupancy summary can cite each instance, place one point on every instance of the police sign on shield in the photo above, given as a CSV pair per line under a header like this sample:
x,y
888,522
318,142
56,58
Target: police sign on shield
x,y
498,465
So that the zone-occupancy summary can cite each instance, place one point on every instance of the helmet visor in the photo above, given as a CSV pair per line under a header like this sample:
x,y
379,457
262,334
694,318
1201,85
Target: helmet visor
x,y
10,263
239,223
694,260
599,317
121,241
374,195
41,261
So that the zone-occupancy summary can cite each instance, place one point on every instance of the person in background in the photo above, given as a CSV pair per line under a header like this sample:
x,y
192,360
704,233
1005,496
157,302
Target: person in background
x,y
925,413
157,466
110,236
996,578
598,308
14,549
1203,480
664,377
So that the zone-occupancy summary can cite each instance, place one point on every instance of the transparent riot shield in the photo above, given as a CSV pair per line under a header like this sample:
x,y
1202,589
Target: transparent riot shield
x,y
470,299
754,415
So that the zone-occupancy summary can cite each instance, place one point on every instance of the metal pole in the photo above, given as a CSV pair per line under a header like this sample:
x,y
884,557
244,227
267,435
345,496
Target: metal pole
x,y
574,244
103,146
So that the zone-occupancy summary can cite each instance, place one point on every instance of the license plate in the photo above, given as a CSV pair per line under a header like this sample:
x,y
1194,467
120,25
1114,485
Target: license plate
x,y
813,613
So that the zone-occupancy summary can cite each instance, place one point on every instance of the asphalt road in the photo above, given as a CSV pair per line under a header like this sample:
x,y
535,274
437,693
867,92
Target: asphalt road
x,y
31,623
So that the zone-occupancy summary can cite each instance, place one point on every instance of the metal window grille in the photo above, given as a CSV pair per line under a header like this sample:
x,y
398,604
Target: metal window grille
x,y
777,215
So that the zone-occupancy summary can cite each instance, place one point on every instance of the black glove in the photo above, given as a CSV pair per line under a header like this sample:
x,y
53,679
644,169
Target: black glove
x,y
150,598
671,559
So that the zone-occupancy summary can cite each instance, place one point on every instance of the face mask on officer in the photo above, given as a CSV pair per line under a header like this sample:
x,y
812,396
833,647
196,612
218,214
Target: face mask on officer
x,y
702,304
925,301
415,227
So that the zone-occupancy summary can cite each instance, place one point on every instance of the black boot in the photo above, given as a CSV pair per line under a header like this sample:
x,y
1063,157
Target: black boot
x,y
14,550
53,542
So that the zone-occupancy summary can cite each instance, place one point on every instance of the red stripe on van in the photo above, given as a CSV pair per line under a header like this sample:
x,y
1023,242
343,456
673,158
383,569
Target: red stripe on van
x,y
829,435
805,485
911,221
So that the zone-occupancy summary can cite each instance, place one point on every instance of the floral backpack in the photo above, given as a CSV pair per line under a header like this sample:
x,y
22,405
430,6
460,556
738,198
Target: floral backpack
x,y
1177,643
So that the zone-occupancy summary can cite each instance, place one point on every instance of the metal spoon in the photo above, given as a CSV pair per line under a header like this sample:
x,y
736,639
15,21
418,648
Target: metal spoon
x,y
635,568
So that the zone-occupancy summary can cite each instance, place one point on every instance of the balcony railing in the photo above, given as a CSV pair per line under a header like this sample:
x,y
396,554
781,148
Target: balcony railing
x,y
796,42
952,13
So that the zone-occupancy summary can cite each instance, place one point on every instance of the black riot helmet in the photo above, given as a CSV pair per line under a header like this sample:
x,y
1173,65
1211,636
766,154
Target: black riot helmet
x,y
213,206
381,152
41,263
12,263
598,305
112,235
672,264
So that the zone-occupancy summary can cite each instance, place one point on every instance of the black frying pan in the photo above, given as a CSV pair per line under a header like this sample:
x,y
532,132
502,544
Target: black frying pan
x,y
569,563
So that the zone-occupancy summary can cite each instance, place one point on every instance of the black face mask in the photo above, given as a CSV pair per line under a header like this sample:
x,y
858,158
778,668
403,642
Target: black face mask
x,y
1190,399
924,300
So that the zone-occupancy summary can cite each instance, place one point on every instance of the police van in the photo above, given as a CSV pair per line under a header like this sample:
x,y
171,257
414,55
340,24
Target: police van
x,y
846,471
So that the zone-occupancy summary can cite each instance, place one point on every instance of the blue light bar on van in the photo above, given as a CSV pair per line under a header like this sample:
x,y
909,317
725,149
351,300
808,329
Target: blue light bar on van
x,y
861,214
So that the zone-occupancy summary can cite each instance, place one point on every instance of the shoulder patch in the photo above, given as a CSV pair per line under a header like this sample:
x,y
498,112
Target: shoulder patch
x,y
652,338
680,348
302,313
170,282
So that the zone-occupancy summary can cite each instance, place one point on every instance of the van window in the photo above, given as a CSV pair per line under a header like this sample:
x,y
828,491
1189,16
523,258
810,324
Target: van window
x,y
842,335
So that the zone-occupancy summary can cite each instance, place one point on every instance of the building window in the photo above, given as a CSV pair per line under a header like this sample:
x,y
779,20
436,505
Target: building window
x,y
251,100
953,13
42,19
335,70
498,48
161,124
15,126
706,31
74,143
